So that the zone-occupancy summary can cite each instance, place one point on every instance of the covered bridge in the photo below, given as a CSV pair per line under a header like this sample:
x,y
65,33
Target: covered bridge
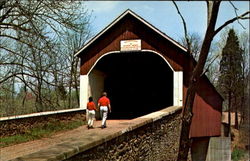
x,y
143,70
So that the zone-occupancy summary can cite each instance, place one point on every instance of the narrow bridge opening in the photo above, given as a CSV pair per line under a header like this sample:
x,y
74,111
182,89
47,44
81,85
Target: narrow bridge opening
x,y
137,83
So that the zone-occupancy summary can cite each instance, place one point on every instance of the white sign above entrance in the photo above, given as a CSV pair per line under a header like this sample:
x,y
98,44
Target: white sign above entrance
x,y
130,45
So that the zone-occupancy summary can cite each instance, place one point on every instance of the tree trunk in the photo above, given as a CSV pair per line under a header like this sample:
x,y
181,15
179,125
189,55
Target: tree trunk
x,y
185,142
76,81
70,85
236,120
236,114
25,95
57,85
242,110
69,95
229,114
13,94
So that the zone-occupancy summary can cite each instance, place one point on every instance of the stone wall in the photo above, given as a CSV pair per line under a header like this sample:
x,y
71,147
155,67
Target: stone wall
x,y
156,141
21,125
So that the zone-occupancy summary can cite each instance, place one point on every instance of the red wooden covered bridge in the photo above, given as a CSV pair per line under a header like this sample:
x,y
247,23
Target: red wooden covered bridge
x,y
143,70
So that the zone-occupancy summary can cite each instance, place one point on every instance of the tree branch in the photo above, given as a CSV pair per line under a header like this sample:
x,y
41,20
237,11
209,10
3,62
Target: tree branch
x,y
206,70
15,53
23,42
242,17
235,11
5,15
185,28
16,27
27,74
27,85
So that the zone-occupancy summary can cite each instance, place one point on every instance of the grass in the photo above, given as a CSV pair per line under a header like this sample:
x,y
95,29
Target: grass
x,y
237,154
41,131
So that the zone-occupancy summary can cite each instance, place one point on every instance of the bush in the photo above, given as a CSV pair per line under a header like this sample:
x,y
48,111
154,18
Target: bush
x,y
237,154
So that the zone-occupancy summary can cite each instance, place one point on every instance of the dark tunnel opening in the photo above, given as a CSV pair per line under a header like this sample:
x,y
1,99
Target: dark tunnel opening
x,y
137,83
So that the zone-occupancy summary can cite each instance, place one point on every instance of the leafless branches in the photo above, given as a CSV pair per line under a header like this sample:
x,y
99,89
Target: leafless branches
x,y
33,48
241,17
236,13
184,26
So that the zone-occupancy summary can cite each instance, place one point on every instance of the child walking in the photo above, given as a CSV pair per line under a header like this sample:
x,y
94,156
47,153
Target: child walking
x,y
91,112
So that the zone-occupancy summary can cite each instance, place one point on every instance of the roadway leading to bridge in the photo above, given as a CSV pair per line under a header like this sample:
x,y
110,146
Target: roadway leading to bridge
x,y
69,143
81,134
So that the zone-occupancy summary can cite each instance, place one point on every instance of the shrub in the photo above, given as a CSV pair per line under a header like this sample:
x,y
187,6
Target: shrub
x,y
237,154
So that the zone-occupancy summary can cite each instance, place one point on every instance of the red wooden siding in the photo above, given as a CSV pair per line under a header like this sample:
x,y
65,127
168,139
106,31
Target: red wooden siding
x,y
125,31
206,120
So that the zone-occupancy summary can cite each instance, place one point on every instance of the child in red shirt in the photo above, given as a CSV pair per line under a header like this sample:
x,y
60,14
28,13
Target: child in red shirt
x,y
91,112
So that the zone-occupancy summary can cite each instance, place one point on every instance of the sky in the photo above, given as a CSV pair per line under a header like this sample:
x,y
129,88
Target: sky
x,y
163,15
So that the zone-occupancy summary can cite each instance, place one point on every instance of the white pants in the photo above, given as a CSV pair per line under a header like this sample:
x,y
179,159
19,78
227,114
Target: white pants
x,y
91,117
104,114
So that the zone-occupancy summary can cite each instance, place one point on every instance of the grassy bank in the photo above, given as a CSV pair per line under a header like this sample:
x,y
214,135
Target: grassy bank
x,y
240,139
41,131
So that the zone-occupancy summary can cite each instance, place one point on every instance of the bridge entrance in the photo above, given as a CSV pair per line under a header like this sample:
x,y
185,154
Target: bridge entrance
x,y
144,70
137,83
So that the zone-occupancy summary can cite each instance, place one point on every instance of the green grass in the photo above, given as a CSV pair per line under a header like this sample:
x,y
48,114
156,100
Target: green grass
x,y
39,132
237,154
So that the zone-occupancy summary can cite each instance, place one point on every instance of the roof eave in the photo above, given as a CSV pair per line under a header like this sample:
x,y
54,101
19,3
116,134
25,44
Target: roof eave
x,y
139,18
103,31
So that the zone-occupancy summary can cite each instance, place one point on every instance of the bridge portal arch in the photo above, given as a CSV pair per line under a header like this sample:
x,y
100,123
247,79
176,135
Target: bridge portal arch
x,y
137,82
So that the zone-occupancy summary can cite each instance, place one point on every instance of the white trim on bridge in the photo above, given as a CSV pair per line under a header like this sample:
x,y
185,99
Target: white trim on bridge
x,y
40,114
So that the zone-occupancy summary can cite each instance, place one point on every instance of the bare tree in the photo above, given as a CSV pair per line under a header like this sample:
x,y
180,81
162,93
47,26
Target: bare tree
x,y
27,16
194,41
31,47
72,42
212,14
244,43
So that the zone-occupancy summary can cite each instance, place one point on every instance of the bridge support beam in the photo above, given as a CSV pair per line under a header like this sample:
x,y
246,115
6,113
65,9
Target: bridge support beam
x,y
84,87
178,88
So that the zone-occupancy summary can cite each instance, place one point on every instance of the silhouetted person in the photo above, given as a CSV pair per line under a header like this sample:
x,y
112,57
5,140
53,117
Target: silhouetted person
x,y
104,105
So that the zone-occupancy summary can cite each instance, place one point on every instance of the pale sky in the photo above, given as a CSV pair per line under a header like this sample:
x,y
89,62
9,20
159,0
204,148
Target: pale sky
x,y
163,15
